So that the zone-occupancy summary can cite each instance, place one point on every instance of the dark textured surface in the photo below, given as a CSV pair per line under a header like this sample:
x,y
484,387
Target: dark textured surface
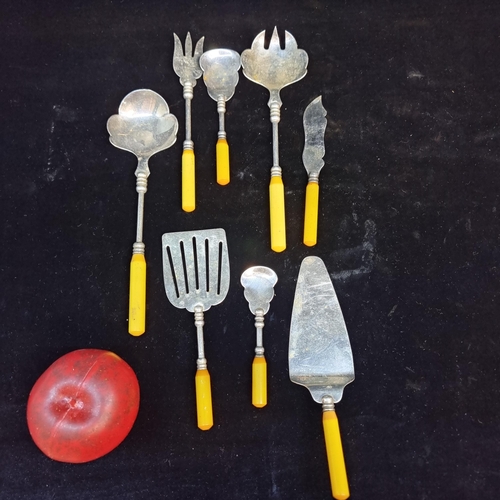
x,y
409,230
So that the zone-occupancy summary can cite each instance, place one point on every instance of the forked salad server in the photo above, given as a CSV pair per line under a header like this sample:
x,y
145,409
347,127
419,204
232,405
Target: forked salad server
x,y
275,68
144,126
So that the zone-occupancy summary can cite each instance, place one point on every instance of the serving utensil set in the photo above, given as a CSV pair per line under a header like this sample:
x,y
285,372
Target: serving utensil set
x,y
196,263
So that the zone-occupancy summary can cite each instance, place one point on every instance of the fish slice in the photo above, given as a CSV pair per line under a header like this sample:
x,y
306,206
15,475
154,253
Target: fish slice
x,y
320,357
196,277
275,68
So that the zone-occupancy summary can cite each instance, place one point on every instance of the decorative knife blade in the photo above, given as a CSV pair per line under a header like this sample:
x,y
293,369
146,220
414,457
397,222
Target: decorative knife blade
x,y
312,157
320,357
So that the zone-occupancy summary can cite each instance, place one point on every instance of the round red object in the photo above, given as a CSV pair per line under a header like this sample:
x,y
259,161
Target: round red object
x,y
83,406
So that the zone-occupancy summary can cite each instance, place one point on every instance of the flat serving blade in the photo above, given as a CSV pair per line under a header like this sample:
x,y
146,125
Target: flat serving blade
x,y
319,354
314,131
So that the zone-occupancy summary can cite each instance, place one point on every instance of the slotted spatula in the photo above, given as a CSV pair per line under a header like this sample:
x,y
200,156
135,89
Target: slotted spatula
x,y
196,277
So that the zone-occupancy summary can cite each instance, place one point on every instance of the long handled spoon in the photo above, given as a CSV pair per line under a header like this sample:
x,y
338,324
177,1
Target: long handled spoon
x,y
143,126
187,68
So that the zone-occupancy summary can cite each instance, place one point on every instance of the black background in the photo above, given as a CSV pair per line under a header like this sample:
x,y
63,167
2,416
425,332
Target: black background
x,y
409,230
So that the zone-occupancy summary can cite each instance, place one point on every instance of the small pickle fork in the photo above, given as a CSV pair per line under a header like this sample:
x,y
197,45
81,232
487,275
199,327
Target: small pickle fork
x,y
187,68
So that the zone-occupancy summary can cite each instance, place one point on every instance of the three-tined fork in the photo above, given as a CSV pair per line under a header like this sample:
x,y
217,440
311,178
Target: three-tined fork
x,y
187,67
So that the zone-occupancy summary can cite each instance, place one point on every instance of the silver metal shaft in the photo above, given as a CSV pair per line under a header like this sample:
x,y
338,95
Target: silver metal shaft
x,y
259,326
188,96
142,174
201,362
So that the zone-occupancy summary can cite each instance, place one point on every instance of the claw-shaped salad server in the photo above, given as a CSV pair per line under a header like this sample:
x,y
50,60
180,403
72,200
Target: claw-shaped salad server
x,y
275,68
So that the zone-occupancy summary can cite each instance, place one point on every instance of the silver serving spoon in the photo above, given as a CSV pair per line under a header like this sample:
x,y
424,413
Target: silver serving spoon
x,y
220,73
143,126
258,282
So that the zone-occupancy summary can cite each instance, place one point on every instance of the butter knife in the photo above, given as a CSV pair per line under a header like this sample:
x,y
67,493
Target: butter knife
x,y
312,157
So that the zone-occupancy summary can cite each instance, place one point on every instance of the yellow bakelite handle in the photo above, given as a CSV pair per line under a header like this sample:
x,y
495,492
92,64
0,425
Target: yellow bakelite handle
x,y
222,154
311,214
277,212
188,181
259,382
336,464
204,400
137,296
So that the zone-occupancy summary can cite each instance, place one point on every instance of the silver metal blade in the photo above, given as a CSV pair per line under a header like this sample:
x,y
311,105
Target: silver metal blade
x,y
319,353
195,268
314,131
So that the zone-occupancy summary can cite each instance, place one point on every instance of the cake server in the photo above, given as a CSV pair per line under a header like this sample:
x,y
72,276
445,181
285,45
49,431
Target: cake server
x,y
312,157
320,357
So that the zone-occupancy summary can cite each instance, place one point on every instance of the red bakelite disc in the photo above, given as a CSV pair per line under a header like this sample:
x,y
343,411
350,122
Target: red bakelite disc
x,y
83,406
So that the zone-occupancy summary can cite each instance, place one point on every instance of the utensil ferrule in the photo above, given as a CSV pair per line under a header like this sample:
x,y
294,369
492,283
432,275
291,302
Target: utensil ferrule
x,y
328,404
188,144
187,92
201,364
274,107
314,178
142,181
138,248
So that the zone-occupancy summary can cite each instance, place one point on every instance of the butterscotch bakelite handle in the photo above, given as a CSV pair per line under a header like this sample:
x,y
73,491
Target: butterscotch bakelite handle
x,y
137,296
335,454
222,157
311,214
259,382
188,181
277,214
204,400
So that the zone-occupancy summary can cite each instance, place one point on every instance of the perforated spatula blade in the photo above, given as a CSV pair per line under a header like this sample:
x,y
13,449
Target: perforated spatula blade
x,y
196,277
